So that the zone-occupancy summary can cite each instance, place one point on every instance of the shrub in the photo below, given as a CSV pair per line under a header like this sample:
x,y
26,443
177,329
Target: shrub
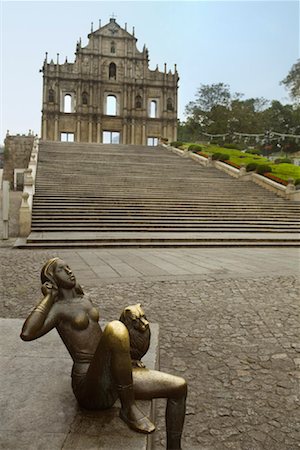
x,y
233,146
220,156
283,160
195,148
263,168
251,167
253,151
176,144
224,157
297,182
215,156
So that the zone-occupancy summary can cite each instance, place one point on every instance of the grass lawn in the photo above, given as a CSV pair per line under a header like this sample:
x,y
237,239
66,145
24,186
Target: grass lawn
x,y
283,171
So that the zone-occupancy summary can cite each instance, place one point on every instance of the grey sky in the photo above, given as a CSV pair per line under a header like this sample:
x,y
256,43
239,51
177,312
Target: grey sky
x,y
250,45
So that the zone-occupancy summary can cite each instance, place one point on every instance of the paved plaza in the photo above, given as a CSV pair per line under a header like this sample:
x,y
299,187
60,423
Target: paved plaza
x,y
229,324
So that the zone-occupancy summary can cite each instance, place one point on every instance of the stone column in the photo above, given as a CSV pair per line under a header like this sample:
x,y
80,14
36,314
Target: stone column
x,y
124,133
132,132
98,131
90,130
24,216
78,130
56,137
44,128
144,134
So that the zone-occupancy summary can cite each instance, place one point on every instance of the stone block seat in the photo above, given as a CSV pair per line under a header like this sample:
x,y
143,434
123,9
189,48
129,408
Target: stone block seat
x,y
129,195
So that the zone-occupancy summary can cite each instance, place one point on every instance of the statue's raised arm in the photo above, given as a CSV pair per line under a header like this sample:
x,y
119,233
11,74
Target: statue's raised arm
x,y
106,365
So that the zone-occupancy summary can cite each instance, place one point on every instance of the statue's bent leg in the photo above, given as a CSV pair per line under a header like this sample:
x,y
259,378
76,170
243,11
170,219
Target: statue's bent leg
x,y
112,363
150,384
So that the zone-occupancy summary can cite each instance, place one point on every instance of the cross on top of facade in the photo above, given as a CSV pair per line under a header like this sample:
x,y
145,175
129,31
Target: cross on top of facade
x,y
113,16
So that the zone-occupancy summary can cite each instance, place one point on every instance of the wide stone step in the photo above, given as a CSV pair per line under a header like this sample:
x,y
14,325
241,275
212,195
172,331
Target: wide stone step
x,y
155,239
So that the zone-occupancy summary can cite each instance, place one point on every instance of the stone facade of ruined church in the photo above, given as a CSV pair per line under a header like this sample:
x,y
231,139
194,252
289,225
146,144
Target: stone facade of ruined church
x,y
109,93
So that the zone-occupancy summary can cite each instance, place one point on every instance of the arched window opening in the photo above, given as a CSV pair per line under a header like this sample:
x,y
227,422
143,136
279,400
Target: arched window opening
x,y
138,102
51,98
112,47
153,109
85,98
112,73
111,105
170,105
67,103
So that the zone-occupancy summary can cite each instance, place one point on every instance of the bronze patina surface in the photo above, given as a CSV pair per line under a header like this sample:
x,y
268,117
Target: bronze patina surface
x,y
106,364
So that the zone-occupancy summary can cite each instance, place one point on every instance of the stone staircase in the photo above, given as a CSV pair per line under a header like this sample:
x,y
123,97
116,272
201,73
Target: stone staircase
x,y
91,195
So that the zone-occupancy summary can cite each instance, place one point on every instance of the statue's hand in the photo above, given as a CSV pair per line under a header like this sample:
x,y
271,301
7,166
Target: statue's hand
x,y
49,289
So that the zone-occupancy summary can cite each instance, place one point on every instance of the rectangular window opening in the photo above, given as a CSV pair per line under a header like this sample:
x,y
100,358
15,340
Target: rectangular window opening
x,y
67,137
152,141
111,137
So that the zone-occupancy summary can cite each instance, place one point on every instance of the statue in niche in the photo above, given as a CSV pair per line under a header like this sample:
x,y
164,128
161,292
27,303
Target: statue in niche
x,y
138,102
112,71
103,369
170,105
51,97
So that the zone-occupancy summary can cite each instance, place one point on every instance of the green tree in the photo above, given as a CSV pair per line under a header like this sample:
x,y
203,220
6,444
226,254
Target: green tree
x,y
292,82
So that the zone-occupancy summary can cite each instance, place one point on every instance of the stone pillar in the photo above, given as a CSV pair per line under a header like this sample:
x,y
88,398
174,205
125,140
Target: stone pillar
x,y
24,217
124,133
44,127
78,132
90,130
164,133
132,132
244,175
5,209
98,131
291,186
56,137
144,142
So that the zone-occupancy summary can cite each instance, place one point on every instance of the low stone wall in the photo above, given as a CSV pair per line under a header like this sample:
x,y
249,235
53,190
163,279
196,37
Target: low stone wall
x,y
16,155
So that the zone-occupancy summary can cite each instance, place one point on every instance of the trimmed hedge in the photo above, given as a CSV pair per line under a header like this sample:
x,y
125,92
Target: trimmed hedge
x,y
195,148
233,146
220,156
263,168
283,160
253,151
251,167
176,144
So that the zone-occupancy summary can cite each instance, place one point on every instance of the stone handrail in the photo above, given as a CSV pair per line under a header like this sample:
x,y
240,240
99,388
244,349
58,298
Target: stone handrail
x,y
288,192
28,192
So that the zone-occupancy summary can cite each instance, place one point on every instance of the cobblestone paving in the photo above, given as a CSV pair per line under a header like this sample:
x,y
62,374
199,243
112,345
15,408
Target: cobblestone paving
x,y
235,340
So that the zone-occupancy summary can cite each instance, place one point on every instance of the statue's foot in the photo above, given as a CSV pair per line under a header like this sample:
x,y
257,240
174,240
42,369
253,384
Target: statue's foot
x,y
140,424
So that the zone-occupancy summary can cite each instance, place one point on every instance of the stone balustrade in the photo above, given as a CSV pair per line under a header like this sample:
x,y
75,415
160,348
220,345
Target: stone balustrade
x,y
28,192
288,192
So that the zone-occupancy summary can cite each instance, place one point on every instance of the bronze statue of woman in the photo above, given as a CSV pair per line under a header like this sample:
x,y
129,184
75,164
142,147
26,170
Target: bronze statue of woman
x,y
102,369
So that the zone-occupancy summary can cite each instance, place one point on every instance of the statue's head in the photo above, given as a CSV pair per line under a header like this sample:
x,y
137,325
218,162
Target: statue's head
x,y
58,273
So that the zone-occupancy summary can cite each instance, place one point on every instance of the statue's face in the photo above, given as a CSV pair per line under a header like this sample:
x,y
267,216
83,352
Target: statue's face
x,y
64,275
